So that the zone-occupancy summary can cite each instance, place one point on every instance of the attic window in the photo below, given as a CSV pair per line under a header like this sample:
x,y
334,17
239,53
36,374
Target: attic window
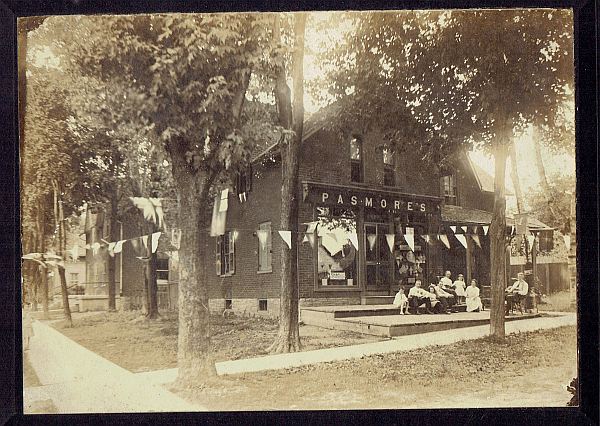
x,y
449,190
356,155
388,167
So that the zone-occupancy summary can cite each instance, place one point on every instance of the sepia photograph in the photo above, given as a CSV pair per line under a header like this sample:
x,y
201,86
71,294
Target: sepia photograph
x,y
341,210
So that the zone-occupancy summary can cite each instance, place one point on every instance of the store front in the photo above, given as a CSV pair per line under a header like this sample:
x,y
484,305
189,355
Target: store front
x,y
370,240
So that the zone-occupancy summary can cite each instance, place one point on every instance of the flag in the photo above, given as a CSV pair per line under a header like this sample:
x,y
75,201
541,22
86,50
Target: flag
x,y
476,239
287,237
462,239
353,237
444,239
410,237
371,238
263,236
453,229
390,240
485,229
119,246
111,247
464,229
155,238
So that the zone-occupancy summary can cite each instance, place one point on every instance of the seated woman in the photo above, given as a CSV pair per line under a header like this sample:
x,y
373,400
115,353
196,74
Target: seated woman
x,y
401,301
445,298
472,296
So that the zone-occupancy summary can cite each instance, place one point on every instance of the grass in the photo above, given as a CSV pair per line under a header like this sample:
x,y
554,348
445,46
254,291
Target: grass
x,y
136,344
558,302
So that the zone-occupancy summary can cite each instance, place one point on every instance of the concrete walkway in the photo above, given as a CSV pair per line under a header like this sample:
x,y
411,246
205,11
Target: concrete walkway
x,y
396,344
79,381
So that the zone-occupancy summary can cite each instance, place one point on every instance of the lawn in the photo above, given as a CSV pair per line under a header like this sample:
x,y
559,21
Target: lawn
x,y
141,345
525,370
558,302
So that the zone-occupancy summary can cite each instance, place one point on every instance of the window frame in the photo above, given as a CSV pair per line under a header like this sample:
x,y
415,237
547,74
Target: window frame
x,y
225,254
452,197
268,249
357,162
389,168
159,270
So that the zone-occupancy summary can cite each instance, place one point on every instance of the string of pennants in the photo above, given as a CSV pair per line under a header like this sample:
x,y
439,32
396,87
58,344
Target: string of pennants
x,y
117,246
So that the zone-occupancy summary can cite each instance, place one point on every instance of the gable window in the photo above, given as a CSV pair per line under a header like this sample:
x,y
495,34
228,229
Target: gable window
x,y
264,247
356,159
449,190
389,175
225,254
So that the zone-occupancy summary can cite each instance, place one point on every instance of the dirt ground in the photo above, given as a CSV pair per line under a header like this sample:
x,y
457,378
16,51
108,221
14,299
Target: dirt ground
x,y
529,369
30,379
140,345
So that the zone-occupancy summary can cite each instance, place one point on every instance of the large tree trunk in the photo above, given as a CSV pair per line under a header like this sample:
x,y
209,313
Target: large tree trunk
x,y
65,295
112,260
193,344
497,235
290,117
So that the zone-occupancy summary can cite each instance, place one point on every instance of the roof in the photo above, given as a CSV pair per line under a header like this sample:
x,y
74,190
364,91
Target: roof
x,y
484,179
463,215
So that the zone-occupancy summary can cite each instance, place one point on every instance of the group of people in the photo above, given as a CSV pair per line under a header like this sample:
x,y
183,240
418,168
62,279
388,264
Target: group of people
x,y
441,297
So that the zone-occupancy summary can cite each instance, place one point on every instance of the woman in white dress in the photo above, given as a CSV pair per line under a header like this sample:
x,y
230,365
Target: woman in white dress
x,y
473,299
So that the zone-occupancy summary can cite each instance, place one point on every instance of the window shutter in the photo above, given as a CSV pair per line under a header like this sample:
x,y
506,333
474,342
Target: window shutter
x,y
218,255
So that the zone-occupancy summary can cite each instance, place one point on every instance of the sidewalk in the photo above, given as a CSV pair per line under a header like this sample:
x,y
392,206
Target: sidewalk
x,y
396,344
79,381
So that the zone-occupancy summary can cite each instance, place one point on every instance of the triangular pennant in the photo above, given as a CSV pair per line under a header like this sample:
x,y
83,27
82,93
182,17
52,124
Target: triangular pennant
x,y
145,241
311,239
453,229
287,237
353,237
305,239
119,246
371,238
444,239
390,238
155,238
111,248
462,239
464,229
410,237
263,236
476,239
485,229
475,229
567,240
311,226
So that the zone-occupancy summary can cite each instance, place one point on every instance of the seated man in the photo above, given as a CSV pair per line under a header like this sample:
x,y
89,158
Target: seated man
x,y
447,285
446,299
516,292
418,296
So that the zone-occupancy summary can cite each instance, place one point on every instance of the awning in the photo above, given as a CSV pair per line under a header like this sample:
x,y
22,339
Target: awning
x,y
457,215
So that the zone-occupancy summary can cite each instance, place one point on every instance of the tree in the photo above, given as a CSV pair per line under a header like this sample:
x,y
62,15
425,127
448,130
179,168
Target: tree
x,y
468,78
291,119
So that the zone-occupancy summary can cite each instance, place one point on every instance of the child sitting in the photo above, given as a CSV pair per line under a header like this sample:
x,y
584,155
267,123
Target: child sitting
x,y
401,301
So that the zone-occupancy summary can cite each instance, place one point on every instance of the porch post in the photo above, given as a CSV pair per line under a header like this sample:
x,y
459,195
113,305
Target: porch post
x,y
468,272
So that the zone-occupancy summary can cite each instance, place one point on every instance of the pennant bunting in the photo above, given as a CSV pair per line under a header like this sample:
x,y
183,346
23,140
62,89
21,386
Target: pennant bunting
x,y
263,236
311,226
119,246
410,237
305,239
135,243
464,229
453,228
353,237
390,241
145,241
111,247
475,229
287,237
567,239
444,239
155,238
371,238
462,239
311,239
476,239
485,229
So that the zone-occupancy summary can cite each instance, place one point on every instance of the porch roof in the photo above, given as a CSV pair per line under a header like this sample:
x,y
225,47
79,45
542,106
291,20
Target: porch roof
x,y
462,215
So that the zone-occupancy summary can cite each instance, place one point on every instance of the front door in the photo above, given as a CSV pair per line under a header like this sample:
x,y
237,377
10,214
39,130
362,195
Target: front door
x,y
379,266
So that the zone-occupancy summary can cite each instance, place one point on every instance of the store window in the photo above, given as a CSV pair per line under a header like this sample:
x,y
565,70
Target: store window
x,y
225,254
389,175
265,248
337,257
449,190
356,159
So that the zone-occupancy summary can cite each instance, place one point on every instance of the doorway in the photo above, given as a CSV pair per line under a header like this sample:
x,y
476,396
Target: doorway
x,y
378,258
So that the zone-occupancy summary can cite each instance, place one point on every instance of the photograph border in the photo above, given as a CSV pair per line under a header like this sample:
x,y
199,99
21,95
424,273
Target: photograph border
x,y
585,21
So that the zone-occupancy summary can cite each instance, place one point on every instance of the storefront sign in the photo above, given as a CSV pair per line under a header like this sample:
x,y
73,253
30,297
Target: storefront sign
x,y
378,200
338,275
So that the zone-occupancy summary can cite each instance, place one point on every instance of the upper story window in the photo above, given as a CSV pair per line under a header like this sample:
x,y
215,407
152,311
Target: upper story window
x,y
243,183
356,159
225,254
389,175
265,251
449,191
162,269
